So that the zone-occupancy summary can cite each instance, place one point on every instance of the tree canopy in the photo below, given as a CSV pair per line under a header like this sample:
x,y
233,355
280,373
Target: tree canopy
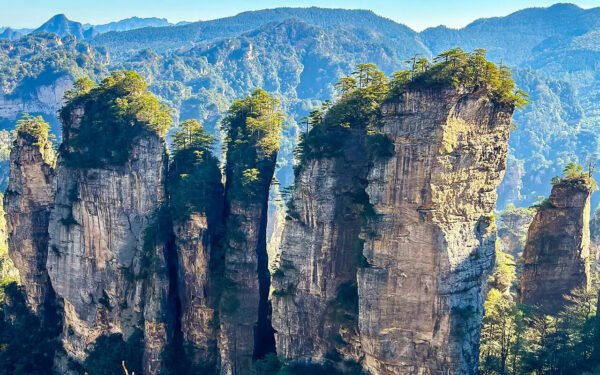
x,y
253,126
115,112
456,68
37,130
194,174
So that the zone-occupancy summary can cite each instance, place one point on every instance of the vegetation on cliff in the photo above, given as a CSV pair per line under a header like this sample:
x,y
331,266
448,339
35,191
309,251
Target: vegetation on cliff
x,y
470,71
574,175
27,346
519,339
36,130
356,109
253,126
362,93
194,174
113,114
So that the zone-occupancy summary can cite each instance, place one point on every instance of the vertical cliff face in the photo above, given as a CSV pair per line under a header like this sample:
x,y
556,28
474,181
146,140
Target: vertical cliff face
x,y
110,279
254,127
595,240
512,229
315,301
431,247
109,228
28,201
556,257
196,206
195,254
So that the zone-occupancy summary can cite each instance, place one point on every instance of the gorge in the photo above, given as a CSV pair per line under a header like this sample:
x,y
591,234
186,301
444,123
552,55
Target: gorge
x,y
138,259
154,260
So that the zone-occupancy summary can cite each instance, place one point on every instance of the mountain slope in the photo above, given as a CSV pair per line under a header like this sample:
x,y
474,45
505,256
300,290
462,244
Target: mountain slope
x,y
172,38
299,53
62,26
131,24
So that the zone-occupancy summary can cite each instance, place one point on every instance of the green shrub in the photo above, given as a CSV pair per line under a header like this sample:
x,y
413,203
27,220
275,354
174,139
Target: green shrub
x,y
115,113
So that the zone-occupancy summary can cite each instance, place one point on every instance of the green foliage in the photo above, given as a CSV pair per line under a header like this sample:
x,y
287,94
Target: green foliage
x,y
269,365
115,113
26,346
191,135
516,339
573,174
461,70
194,174
37,131
253,127
356,110
254,120
504,274
109,351
39,59
8,272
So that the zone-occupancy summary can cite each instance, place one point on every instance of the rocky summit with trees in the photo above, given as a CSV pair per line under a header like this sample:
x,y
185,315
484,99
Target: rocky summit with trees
x,y
148,234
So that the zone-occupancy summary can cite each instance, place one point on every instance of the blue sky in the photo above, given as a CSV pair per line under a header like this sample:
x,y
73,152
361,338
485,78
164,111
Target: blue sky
x,y
417,14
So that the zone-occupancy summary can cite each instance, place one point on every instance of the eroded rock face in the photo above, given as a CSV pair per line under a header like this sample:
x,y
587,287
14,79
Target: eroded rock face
x,y
102,261
315,309
28,201
245,255
196,289
414,244
595,240
556,259
46,99
431,248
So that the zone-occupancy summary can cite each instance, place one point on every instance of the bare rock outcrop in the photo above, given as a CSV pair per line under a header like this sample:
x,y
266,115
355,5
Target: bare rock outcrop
x,y
315,301
557,254
384,259
431,248
105,261
28,201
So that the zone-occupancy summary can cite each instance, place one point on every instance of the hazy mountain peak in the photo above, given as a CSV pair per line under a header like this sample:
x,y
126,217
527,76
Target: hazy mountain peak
x,y
10,34
62,26
132,23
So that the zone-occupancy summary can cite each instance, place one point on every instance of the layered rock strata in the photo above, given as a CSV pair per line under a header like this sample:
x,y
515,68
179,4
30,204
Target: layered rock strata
x,y
104,260
431,248
425,245
556,259
315,307
27,202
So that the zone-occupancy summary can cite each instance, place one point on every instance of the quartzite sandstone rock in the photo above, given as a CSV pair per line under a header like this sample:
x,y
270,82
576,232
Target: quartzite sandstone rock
x,y
431,248
110,278
315,286
423,257
28,201
556,258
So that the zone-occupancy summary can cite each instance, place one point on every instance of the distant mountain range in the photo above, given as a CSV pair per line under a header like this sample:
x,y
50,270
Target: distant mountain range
x,y
62,26
299,53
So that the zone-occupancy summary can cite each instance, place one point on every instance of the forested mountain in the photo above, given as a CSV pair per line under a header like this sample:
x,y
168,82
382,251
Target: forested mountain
x,y
62,26
131,24
298,55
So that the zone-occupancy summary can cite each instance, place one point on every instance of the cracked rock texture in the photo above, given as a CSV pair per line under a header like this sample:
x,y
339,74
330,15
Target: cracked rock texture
x,y
27,202
110,280
431,248
424,255
557,257
196,289
314,303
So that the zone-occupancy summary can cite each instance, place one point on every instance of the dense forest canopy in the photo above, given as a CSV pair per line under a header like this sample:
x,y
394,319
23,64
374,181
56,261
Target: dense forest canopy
x,y
253,126
361,93
113,114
